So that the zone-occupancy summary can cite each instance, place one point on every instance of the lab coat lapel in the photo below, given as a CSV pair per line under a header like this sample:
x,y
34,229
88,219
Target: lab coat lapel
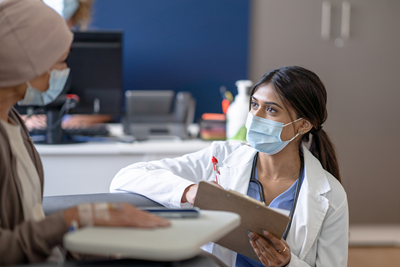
x,y
311,207
238,164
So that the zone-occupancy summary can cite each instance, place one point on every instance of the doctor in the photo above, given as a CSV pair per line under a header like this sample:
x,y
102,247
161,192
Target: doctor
x,y
293,162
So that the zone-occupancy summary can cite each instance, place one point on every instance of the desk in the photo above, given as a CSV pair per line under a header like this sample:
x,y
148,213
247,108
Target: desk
x,y
88,168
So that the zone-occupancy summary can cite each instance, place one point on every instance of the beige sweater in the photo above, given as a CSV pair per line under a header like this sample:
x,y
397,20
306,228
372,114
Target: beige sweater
x,y
23,241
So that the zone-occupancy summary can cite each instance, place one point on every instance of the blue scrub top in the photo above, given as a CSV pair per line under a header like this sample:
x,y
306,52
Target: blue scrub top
x,y
283,201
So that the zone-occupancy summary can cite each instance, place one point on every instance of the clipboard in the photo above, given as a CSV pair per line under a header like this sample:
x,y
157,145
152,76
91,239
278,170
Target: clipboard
x,y
255,216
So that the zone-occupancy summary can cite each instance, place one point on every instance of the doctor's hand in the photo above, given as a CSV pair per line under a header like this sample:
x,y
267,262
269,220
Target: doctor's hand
x,y
189,195
269,249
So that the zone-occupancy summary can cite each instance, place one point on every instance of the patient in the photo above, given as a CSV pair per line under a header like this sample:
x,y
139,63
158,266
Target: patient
x,y
34,43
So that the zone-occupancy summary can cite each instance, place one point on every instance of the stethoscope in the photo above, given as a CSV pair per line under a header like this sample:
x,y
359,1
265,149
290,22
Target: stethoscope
x,y
262,196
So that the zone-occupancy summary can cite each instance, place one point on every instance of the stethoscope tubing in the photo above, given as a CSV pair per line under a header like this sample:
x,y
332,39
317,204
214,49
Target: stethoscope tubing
x,y
262,196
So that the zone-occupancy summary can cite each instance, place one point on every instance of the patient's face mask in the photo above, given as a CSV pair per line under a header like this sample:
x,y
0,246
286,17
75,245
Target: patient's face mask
x,y
34,97
70,7
265,135
66,8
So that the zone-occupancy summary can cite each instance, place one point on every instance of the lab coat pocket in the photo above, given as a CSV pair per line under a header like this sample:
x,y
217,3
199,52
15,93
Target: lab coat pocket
x,y
226,179
234,178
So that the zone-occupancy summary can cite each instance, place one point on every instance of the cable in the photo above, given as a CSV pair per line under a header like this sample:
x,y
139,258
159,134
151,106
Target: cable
x,y
66,107
33,113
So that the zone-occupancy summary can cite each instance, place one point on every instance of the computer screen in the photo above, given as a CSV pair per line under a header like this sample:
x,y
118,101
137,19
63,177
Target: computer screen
x,y
95,61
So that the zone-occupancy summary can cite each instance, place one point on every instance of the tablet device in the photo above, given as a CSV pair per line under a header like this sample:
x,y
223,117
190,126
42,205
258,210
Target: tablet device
x,y
174,213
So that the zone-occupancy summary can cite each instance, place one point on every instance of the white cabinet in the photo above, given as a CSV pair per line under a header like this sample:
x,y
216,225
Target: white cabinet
x,y
88,168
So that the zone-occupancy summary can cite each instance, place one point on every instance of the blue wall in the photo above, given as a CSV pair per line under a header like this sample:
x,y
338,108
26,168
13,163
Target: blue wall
x,y
181,45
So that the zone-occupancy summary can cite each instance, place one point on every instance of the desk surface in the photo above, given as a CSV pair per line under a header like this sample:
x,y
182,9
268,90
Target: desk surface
x,y
116,148
156,145
179,242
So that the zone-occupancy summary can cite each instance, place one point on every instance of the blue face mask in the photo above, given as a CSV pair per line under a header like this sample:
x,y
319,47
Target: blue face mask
x,y
34,97
265,135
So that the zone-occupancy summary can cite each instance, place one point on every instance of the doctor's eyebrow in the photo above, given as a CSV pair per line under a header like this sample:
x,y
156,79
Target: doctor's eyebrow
x,y
267,103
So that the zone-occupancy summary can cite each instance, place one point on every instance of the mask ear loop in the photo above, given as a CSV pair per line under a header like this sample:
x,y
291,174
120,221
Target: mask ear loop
x,y
292,122
294,137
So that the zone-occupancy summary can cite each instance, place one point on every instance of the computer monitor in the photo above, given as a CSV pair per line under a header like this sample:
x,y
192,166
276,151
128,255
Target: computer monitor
x,y
95,61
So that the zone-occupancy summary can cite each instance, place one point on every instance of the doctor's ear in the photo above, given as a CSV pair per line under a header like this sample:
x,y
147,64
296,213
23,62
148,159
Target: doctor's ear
x,y
305,127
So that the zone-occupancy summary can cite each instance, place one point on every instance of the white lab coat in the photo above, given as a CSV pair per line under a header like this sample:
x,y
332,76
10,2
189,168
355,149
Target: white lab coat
x,y
319,231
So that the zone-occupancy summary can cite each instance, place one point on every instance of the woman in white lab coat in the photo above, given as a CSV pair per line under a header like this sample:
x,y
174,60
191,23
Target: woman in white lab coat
x,y
287,104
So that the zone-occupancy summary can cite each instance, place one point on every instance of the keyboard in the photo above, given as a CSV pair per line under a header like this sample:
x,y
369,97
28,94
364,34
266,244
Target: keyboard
x,y
92,130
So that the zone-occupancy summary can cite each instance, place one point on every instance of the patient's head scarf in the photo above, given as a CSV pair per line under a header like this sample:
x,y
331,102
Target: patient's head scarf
x,y
32,38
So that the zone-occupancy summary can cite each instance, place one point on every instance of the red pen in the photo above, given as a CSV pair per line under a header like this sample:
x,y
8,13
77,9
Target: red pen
x,y
216,169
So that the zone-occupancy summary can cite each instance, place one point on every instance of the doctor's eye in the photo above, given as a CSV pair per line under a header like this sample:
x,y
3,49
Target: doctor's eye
x,y
254,105
271,109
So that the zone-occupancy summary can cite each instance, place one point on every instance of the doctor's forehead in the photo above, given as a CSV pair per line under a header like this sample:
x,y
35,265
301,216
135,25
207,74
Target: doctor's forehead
x,y
265,93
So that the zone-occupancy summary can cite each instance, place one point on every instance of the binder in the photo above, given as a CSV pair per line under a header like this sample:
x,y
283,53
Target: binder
x,y
255,216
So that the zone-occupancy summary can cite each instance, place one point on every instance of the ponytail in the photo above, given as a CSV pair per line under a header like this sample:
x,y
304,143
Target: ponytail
x,y
322,148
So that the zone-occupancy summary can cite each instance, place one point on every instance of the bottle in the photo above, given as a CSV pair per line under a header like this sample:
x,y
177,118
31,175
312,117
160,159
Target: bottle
x,y
237,112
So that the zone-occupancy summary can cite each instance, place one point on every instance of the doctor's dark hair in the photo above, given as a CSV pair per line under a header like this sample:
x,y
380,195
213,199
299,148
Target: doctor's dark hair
x,y
302,90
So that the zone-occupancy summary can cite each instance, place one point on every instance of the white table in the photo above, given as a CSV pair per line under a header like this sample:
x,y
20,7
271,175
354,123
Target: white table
x,y
88,168
179,242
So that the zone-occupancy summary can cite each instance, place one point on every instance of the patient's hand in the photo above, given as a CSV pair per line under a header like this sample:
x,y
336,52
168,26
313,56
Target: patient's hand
x,y
128,216
120,215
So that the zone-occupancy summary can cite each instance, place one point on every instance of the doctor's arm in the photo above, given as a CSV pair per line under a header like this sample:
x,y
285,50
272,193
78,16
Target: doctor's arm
x,y
165,181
